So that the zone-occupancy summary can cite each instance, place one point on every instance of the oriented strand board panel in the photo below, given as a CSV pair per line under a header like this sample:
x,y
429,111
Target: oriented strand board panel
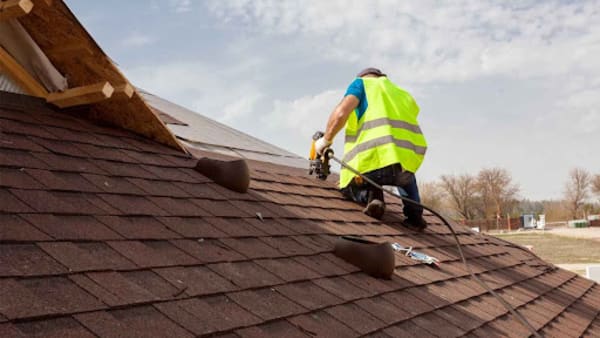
x,y
84,63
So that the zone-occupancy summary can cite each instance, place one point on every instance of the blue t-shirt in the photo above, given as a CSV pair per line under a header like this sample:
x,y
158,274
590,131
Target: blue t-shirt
x,y
357,89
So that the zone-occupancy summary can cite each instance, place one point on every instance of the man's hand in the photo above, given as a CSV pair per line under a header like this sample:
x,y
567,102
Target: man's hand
x,y
321,144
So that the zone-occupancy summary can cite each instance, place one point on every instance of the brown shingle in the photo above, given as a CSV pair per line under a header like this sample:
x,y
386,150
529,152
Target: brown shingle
x,y
131,322
192,227
208,314
15,228
266,303
245,274
137,227
152,253
72,227
196,280
27,260
86,256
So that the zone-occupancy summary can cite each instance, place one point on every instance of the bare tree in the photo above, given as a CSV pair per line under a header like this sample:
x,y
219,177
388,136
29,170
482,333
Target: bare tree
x,y
432,194
461,192
497,190
577,190
596,184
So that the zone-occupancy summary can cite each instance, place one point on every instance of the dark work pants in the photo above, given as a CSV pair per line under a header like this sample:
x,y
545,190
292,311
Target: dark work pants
x,y
391,175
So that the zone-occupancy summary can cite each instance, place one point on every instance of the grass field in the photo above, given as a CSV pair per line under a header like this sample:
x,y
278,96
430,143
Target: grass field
x,y
558,249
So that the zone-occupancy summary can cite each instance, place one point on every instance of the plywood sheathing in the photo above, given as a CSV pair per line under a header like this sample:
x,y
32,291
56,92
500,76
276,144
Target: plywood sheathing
x,y
77,56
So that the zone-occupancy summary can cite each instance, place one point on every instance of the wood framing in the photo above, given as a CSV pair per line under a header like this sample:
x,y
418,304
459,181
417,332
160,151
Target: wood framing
x,y
74,49
81,95
14,8
124,91
20,75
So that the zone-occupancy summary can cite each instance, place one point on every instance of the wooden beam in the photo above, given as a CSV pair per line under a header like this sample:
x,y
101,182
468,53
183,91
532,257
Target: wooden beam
x,y
124,91
20,75
78,49
81,95
14,8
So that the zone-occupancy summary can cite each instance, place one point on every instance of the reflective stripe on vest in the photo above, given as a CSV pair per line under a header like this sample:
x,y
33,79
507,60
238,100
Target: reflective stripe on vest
x,y
387,133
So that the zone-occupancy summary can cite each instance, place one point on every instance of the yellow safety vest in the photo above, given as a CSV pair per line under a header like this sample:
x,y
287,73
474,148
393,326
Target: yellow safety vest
x,y
387,133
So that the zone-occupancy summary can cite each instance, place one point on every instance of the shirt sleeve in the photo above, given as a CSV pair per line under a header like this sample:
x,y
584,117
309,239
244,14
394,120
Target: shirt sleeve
x,y
356,88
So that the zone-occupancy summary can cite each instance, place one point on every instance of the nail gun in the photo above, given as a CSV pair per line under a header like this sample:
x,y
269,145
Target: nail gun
x,y
319,164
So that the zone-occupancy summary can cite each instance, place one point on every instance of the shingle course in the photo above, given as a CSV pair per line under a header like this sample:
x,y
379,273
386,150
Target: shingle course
x,y
104,233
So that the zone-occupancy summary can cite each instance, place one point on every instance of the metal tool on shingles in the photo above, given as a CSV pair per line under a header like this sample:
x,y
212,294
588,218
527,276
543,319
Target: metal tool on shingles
x,y
323,172
418,256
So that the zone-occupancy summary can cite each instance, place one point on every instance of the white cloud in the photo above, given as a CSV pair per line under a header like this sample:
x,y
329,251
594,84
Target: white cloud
x,y
446,41
137,39
181,6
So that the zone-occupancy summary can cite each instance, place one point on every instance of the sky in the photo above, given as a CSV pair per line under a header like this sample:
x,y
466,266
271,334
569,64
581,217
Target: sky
x,y
514,84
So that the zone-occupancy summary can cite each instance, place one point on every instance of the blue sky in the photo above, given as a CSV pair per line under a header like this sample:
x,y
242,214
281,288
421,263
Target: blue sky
x,y
500,83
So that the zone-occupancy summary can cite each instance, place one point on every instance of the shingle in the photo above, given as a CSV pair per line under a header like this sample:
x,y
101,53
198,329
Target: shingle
x,y
158,188
287,246
251,247
356,318
234,227
57,180
192,227
308,294
208,314
10,203
14,228
126,291
408,329
245,274
266,303
196,280
19,159
221,208
54,328
71,227
133,205
17,178
208,251
43,296
131,322
408,301
86,256
270,226
279,328
27,260
114,185
379,307
152,282
65,163
322,324
342,288
321,265
287,269
152,253
179,206
137,227
19,142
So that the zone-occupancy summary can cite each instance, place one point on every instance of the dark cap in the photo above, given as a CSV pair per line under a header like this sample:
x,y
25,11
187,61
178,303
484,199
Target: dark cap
x,y
370,70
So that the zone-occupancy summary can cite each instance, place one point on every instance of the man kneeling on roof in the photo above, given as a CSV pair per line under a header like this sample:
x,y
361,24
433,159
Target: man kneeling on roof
x,y
383,142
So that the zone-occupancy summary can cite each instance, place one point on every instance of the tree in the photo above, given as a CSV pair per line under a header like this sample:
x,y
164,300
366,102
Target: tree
x,y
497,190
596,184
462,192
432,195
577,191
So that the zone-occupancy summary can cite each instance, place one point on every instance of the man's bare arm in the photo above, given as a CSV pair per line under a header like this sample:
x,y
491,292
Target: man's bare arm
x,y
340,114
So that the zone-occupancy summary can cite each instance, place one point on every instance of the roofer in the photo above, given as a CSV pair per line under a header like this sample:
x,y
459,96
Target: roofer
x,y
383,141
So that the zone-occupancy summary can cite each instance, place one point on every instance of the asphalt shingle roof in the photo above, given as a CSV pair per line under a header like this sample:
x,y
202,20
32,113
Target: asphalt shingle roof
x,y
104,233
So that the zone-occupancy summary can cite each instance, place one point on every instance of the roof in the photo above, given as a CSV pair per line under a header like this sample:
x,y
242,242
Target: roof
x,y
200,132
76,55
105,233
